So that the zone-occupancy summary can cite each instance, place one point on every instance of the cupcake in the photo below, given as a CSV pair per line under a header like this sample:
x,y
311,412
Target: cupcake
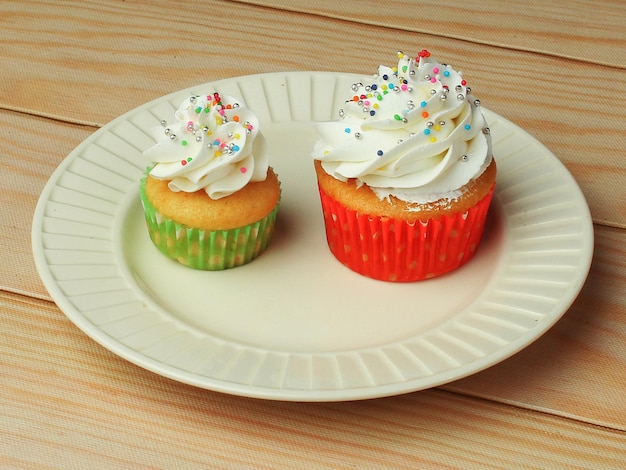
x,y
209,197
406,173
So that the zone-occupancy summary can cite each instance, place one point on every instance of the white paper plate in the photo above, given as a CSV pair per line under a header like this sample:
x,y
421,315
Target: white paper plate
x,y
295,324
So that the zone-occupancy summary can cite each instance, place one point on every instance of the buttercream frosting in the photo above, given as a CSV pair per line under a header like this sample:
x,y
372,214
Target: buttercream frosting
x,y
414,131
213,144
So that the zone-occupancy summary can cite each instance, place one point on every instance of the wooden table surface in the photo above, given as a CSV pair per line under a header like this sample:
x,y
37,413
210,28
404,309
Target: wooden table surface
x,y
67,67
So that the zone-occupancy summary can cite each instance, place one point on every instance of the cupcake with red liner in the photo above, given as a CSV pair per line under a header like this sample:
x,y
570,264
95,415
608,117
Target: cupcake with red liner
x,y
210,198
406,174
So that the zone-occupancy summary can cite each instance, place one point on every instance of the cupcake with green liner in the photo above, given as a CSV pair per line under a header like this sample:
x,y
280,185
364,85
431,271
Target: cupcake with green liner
x,y
406,173
210,198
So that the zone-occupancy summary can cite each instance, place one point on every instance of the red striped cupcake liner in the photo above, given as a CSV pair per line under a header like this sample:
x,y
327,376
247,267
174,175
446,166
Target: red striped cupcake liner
x,y
395,250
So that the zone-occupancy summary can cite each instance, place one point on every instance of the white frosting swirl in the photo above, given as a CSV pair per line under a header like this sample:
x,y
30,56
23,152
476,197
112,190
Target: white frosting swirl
x,y
415,132
213,144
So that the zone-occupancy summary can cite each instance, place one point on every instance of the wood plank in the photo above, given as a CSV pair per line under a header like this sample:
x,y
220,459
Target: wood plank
x,y
96,61
30,149
67,401
66,68
29,162
587,31
593,329
579,367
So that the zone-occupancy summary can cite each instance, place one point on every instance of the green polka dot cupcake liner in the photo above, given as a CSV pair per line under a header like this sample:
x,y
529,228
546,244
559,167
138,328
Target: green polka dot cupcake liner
x,y
207,250
395,250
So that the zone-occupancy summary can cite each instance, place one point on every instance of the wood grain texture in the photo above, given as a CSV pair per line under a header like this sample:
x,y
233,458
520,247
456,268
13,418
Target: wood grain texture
x,y
28,159
68,402
58,65
579,367
69,67
563,381
550,27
